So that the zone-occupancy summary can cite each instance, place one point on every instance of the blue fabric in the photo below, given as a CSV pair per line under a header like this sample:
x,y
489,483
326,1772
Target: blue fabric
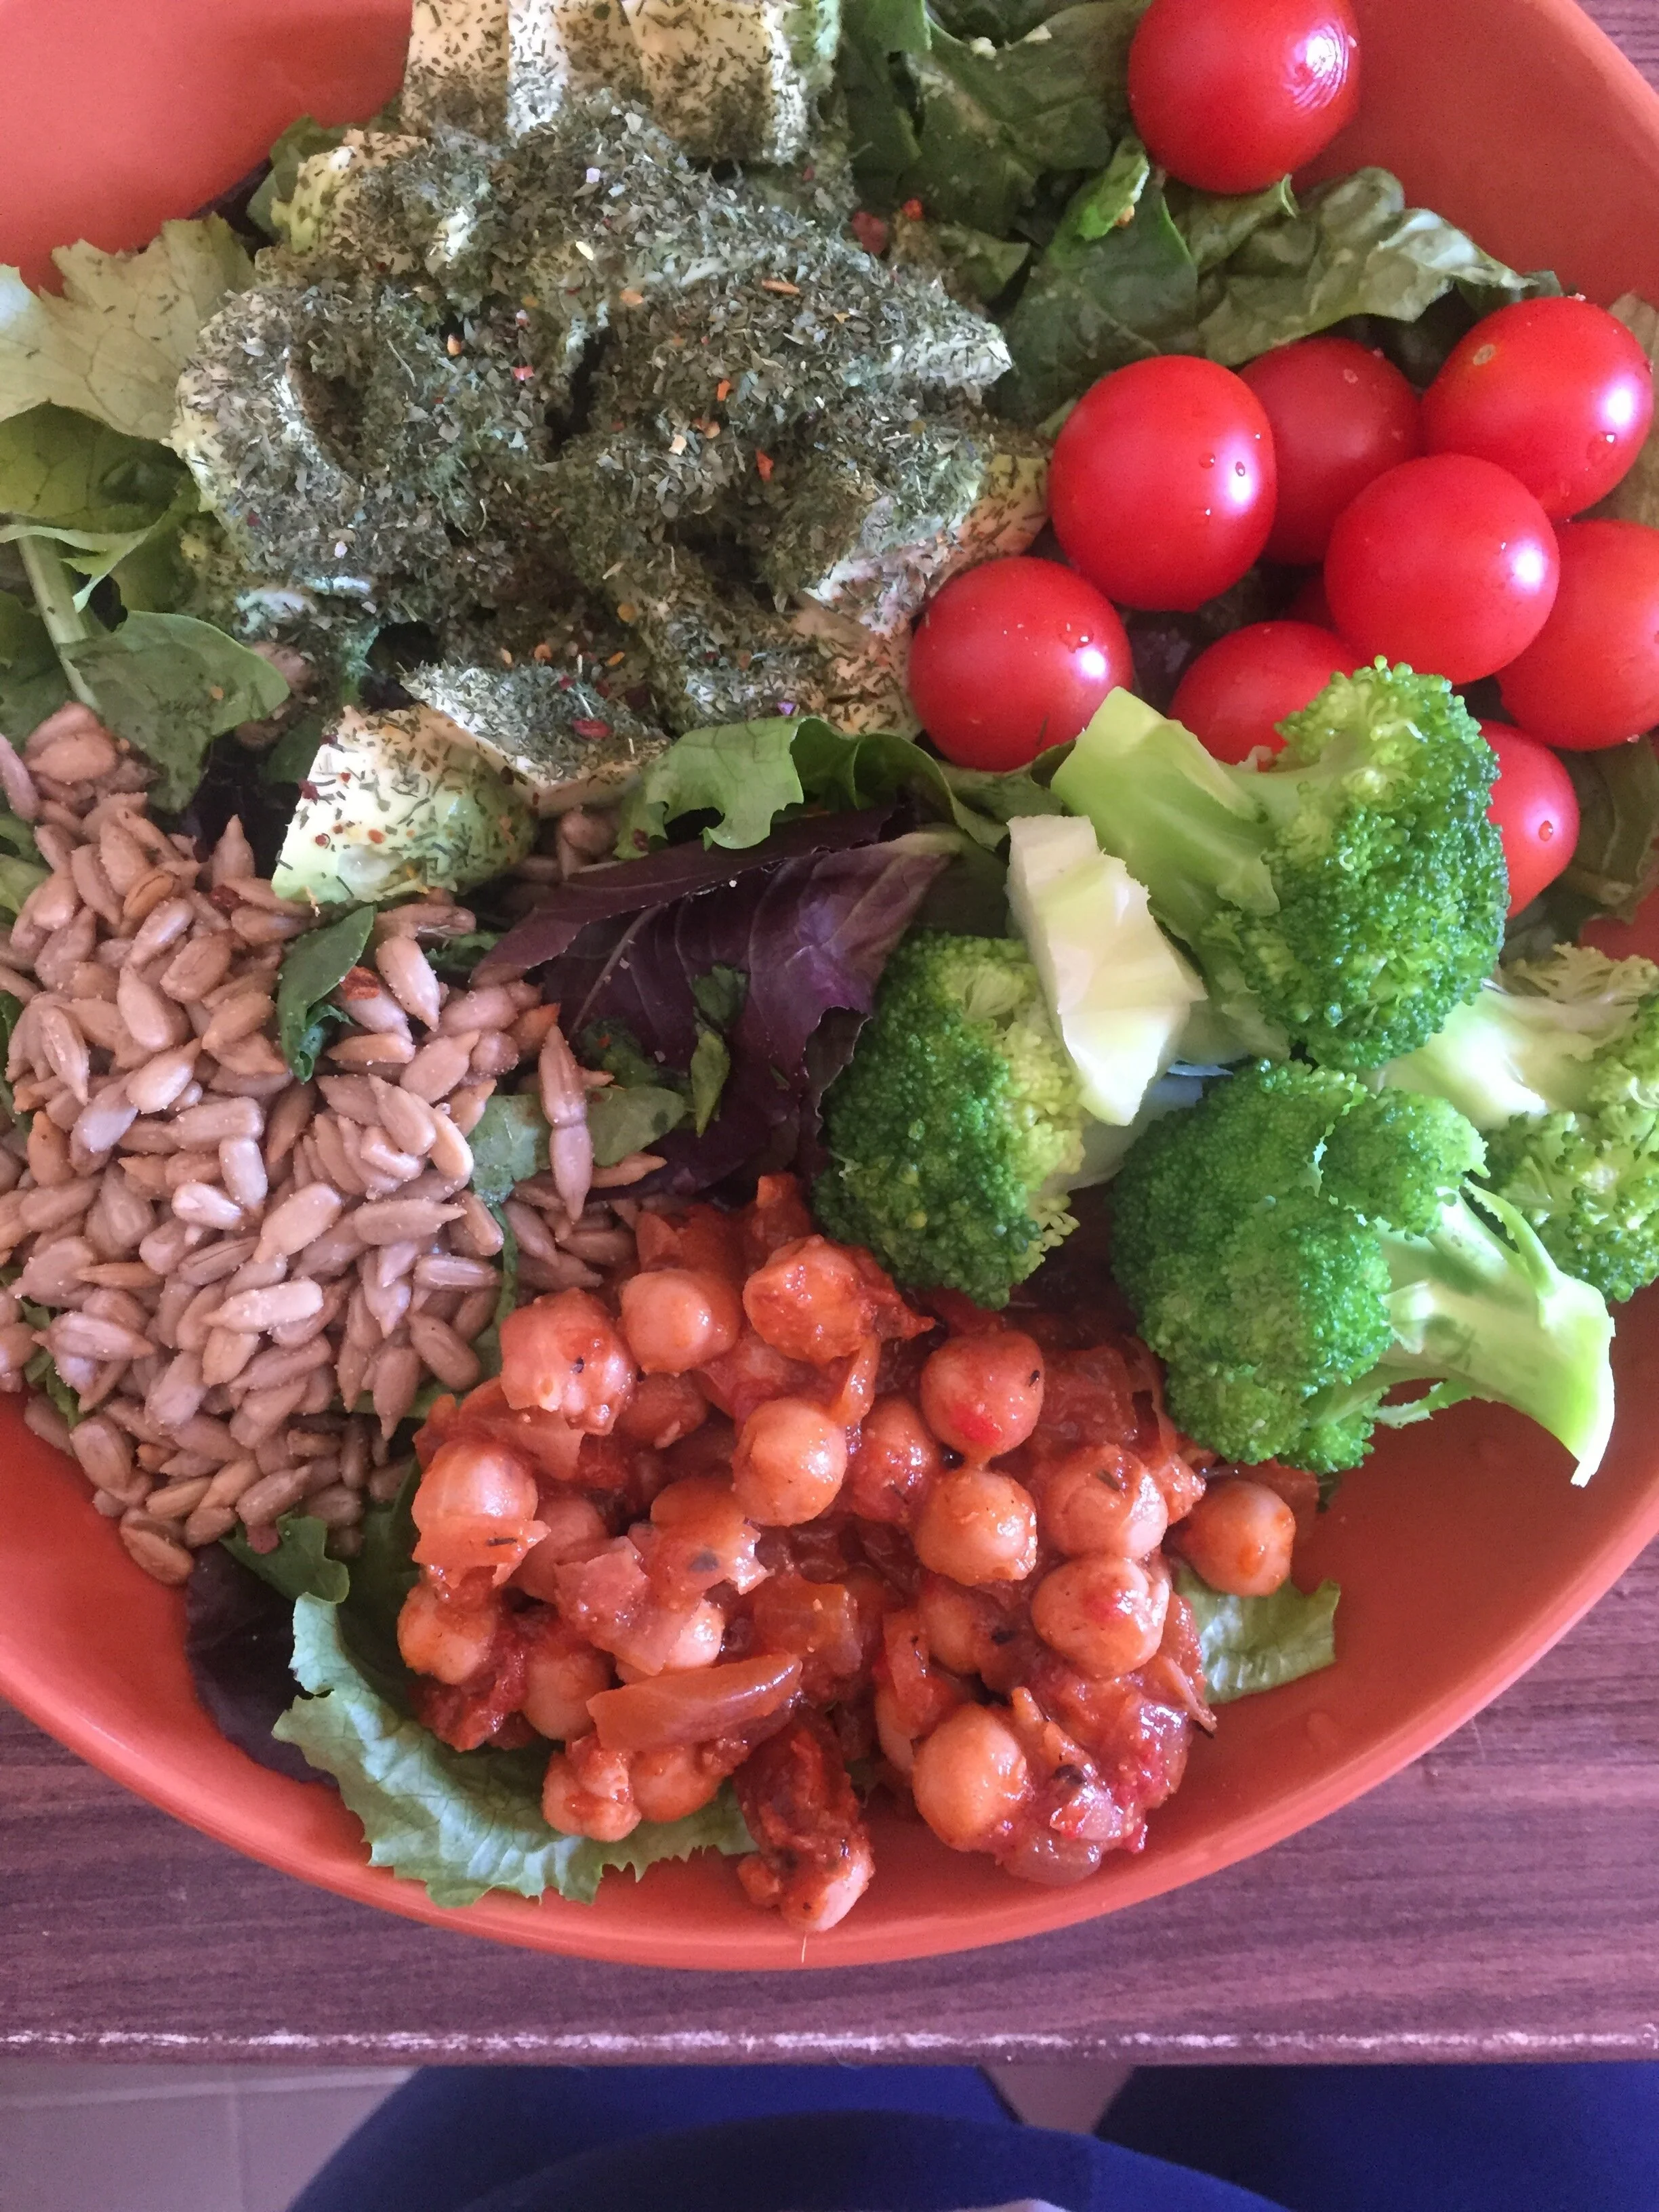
x,y
935,2138
791,2139
1407,2138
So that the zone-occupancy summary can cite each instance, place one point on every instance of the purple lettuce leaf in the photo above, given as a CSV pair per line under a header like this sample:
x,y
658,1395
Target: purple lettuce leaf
x,y
812,937
624,887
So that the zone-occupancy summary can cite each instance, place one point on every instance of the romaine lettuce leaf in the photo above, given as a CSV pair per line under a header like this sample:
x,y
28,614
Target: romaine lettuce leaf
x,y
509,1146
113,345
462,1822
1253,1644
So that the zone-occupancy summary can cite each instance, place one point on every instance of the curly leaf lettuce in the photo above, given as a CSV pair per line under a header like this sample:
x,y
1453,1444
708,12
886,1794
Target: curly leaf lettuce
x,y
31,681
1255,1644
463,1823
113,345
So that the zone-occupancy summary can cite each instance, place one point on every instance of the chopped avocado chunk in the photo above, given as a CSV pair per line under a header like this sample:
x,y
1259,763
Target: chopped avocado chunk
x,y
397,803
1119,991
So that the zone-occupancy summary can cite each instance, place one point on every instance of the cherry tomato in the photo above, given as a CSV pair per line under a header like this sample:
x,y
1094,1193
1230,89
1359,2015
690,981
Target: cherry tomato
x,y
1340,416
1556,392
1310,604
1162,485
1229,94
1591,678
1011,657
1535,808
1234,695
1447,563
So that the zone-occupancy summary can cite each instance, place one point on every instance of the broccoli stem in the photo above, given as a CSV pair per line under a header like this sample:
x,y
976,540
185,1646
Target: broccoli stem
x,y
54,594
1504,1054
1175,816
1493,1314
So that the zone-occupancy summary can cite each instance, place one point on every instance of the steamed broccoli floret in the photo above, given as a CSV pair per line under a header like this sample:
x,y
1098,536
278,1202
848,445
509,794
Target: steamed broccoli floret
x,y
1559,1061
957,1126
1298,1245
1346,896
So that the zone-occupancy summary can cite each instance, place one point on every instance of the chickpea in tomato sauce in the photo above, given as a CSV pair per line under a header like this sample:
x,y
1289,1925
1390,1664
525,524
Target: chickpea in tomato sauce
x,y
750,1514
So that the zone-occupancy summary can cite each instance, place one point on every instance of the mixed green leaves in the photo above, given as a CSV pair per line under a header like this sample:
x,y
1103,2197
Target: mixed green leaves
x,y
748,776
313,971
113,345
509,1146
1254,1643
462,1822
170,684
299,1566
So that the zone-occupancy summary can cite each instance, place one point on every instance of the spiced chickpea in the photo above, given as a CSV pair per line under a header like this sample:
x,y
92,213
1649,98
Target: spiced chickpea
x,y
895,1464
789,1463
678,1318
1092,1501
969,1778
575,1529
448,1636
978,1527
663,1411
952,1623
982,1393
1105,1615
808,1301
562,1354
1238,1538
562,1672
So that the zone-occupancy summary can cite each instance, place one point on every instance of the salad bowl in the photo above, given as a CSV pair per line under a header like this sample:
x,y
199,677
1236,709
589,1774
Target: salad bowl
x,y
1462,1550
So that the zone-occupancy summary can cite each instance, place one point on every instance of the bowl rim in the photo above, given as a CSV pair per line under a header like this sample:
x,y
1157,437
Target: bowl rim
x,y
556,1927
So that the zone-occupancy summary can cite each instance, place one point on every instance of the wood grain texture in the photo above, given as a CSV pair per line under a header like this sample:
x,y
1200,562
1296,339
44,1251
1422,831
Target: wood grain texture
x,y
1499,1899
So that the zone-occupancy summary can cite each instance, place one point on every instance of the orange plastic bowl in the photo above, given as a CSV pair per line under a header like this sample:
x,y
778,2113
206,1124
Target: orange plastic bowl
x,y
1462,1551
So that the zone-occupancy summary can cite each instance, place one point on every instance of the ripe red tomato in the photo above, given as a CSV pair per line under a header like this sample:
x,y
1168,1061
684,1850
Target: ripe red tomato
x,y
1234,695
1229,95
1340,416
1591,676
1556,392
1310,604
1010,657
1162,485
1447,563
1535,808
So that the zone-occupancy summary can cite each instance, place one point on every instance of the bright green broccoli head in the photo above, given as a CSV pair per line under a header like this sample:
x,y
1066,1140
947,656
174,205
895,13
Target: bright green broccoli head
x,y
1350,893
956,1127
1298,1245
1559,1061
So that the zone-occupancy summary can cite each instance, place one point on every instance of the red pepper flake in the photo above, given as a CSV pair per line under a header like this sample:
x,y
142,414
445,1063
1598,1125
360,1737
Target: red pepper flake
x,y
779,284
309,791
763,463
912,210
265,1538
587,728
521,374
723,389
321,838
377,836
871,232
616,661
631,299
542,652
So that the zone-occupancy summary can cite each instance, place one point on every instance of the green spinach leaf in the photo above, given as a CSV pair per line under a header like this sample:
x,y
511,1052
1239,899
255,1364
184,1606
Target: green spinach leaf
x,y
313,969
509,1146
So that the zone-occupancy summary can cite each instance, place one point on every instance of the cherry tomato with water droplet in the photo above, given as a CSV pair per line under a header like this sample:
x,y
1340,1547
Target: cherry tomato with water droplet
x,y
1013,656
1340,415
1448,564
1557,391
1236,692
1535,808
1162,486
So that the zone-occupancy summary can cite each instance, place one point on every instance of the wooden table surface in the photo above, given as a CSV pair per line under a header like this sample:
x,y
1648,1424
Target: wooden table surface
x,y
1498,1898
